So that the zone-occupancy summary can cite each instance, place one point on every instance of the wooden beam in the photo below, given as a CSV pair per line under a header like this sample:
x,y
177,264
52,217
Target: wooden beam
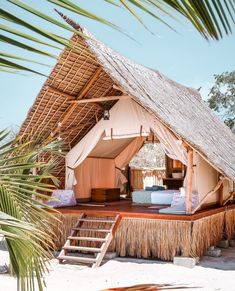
x,y
228,198
210,193
84,90
61,93
79,126
119,89
99,99
189,181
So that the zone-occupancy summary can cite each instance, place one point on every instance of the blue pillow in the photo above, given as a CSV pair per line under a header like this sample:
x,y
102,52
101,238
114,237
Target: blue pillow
x,y
148,188
154,188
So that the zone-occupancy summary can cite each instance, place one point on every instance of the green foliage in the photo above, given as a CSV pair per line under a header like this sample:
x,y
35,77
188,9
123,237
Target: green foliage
x,y
222,98
212,19
151,156
24,219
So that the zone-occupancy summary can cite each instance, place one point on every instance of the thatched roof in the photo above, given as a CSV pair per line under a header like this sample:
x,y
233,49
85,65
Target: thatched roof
x,y
93,71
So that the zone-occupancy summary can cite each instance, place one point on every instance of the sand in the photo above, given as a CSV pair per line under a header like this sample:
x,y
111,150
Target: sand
x,y
210,274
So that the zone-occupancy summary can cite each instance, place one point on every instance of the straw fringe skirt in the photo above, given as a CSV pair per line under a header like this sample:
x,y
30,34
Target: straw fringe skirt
x,y
157,238
230,223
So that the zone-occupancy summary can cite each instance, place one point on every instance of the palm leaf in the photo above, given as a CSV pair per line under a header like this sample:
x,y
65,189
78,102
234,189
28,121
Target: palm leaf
x,y
43,16
212,18
71,6
10,17
24,221
26,36
8,40
15,57
12,65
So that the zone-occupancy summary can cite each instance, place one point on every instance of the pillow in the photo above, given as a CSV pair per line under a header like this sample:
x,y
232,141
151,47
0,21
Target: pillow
x,y
62,198
154,188
179,199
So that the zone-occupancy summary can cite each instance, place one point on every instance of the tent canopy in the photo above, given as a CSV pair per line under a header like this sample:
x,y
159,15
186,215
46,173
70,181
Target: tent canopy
x,y
111,144
110,149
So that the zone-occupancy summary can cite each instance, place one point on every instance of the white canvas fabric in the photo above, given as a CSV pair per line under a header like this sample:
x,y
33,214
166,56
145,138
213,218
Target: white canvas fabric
x,y
171,145
127,120
78,153
110,148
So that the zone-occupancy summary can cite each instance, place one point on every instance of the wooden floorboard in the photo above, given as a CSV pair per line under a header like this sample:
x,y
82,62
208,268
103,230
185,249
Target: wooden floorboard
x,y
130,210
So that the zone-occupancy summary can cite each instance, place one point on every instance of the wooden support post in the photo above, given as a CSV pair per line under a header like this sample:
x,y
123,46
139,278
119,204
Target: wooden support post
x,y
189,182
221,196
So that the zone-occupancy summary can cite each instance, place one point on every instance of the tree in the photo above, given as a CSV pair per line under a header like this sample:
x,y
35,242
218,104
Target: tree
x,y
24,221
212,19
222,98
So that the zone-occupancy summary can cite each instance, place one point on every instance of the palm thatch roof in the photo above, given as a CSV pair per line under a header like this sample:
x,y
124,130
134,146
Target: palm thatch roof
x,y
94,70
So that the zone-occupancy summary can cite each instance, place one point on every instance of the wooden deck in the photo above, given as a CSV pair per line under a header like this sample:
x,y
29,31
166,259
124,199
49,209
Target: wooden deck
x,y
131,210
154,235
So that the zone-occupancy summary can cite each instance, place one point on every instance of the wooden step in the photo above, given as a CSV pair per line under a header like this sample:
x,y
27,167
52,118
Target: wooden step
x,y
96,220
86,249
87,238
98,252
77,259
92,229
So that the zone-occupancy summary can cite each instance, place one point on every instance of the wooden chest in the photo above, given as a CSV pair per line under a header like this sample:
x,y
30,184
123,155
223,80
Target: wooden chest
x,y
105,194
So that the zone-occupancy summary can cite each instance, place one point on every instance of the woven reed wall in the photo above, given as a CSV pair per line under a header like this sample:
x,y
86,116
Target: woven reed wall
x,y
152,238
157,238
207,231
230,223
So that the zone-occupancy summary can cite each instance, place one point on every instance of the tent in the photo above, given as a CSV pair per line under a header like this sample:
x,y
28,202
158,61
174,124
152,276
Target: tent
x,y
70,105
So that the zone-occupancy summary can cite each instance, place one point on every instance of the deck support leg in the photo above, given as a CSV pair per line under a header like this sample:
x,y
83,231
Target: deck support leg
x,y
189,181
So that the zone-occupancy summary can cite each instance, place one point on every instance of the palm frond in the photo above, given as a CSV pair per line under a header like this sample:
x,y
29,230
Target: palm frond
x,y
212,19
23,215
14,66
15,57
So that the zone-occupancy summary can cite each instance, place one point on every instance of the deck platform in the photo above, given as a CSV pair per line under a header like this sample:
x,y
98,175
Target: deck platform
x,y
145,233
132,210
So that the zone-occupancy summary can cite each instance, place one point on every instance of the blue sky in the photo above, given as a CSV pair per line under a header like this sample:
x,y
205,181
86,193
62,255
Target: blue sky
x,y
183,56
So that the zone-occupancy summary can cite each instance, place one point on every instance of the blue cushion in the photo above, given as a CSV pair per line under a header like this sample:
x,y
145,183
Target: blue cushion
x,y
154,188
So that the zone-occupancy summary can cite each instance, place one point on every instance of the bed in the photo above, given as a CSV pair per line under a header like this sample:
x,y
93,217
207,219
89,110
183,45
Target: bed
x,y
163,197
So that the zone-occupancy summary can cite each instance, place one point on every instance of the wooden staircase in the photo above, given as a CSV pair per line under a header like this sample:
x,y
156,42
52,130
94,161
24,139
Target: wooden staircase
x,y
89,240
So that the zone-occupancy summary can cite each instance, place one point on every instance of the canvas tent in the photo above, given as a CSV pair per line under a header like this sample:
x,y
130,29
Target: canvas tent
x,y
67,106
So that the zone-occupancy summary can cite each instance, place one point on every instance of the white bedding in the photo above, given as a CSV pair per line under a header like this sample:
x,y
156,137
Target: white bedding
x,y
163,197
141,196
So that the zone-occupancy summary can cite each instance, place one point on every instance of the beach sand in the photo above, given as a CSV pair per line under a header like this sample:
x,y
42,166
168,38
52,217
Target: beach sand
x,y
210,274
